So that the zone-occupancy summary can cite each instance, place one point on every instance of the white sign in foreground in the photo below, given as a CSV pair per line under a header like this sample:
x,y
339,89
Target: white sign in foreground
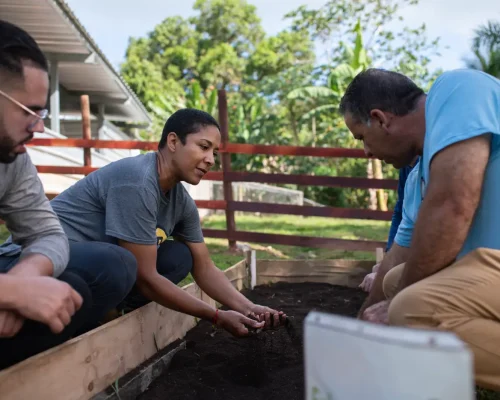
x,y
348,359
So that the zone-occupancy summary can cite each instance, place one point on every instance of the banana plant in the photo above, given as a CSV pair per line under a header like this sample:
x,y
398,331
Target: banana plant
x,y
194,97
356,61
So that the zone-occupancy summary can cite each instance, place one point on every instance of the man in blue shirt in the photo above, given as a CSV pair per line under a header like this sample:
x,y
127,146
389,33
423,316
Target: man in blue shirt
x,y
387,273
451,276
397,216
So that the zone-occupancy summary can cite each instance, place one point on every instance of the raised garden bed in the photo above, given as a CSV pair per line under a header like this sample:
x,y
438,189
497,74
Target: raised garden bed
x,y
215,365
155,353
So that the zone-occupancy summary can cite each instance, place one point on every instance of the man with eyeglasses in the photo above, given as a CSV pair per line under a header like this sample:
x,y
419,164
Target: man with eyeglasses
x,y
44,301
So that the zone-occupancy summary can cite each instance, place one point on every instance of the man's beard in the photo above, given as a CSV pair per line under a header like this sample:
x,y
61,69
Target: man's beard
x,y
7,156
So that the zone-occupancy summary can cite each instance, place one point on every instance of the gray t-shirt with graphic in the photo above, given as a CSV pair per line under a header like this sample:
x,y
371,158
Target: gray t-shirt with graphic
x,y
123,200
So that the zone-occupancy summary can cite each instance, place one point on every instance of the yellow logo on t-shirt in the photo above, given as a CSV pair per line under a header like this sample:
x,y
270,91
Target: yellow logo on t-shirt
x,y
161,236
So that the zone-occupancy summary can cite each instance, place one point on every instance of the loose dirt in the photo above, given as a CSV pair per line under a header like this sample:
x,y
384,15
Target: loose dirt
x,y
268,365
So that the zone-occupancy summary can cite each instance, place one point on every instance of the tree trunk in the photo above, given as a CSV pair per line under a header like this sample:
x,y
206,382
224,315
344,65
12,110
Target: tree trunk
x,y
293,123
313,127
377,172
372,205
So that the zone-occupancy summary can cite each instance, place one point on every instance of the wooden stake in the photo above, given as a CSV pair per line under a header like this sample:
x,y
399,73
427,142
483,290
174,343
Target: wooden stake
x,y
86,129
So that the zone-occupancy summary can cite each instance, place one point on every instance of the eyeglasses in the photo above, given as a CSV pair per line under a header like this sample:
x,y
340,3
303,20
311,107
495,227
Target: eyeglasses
x,y
40,115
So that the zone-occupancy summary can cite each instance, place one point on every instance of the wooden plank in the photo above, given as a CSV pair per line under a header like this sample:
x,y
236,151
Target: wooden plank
x,y
253,269
308,180
86,365
233,148
211,204
244,148
309,211
95,144
292,240
379,254
139,383
336,272
86,132
226,166
238,275
59,169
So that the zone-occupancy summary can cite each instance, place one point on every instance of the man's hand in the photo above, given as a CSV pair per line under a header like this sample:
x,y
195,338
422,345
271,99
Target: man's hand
x,y
47,300
237,324
395,256
377,313
367,283
272,318
10,323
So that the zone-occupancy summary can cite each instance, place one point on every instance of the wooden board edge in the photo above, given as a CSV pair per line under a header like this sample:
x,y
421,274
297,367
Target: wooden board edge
x,y
342,272
84,366
139,383
341,263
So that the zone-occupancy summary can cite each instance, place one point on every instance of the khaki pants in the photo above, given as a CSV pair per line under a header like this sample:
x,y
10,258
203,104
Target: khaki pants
x,y
463,298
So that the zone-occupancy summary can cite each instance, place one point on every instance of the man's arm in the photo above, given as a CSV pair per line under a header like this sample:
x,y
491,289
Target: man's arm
x,y
447,211
396,255
33,224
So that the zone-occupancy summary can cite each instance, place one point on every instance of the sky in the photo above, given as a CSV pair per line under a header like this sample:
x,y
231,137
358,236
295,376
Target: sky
x,y
112,22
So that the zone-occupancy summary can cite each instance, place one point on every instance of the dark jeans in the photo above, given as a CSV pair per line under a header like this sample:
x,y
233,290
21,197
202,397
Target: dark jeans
x,y
109,270
102,273
174,261
35,337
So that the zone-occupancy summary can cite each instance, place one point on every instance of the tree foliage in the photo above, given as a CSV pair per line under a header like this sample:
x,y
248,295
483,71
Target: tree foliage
x,y
486,49
278,92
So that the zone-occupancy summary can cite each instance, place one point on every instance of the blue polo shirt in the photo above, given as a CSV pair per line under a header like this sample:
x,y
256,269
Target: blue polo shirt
x,y
397,215
411,205
463,104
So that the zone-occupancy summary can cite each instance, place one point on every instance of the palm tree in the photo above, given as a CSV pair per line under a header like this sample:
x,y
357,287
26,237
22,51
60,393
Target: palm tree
x,y
486,48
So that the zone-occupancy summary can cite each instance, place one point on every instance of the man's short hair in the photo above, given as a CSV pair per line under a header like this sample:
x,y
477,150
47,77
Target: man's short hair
x,y
186,121
379,89
16,47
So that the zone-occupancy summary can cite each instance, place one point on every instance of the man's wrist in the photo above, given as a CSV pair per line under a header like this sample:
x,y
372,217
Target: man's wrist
x,y
33,265
9,291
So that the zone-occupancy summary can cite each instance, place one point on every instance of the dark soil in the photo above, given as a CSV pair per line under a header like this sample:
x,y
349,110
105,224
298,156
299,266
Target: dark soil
x,y
268,365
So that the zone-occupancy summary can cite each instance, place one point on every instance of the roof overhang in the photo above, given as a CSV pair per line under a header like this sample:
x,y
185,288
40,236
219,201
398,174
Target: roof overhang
x,y
83,68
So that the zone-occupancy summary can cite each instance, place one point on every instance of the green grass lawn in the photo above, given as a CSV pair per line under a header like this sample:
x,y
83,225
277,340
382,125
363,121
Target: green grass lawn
x,y
292,225
303,226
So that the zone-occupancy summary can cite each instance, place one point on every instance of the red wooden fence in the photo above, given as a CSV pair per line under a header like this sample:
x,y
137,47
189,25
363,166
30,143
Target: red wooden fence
x,y
227,177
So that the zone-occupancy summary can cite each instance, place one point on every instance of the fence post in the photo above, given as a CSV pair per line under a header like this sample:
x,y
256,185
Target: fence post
x,y
86,128
226,167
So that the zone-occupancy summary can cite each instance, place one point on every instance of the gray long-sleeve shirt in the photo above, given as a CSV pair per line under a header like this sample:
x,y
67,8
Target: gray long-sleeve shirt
x,y
29,216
